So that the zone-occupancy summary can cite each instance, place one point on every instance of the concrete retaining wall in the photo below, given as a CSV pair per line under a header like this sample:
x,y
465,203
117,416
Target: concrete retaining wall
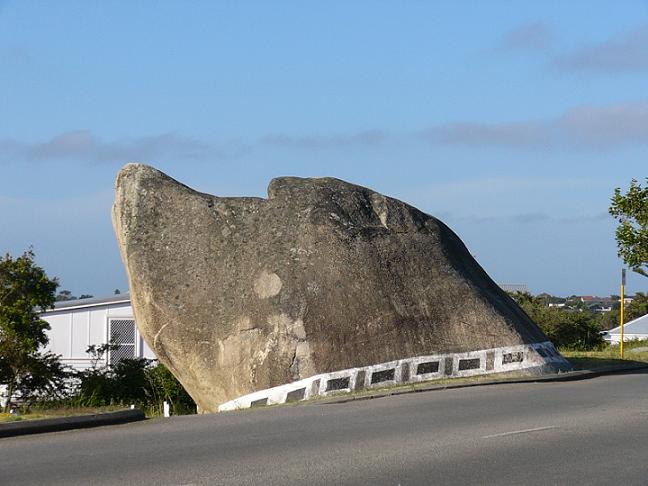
x,y
409,370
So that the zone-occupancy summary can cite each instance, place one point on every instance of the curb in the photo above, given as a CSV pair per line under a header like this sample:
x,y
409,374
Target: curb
x,y
562,376
530,358
25,427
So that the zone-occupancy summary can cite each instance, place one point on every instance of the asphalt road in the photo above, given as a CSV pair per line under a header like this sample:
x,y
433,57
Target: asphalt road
x,y
582,432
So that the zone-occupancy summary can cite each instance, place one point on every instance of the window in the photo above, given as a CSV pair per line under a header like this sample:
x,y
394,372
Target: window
x,y
122,333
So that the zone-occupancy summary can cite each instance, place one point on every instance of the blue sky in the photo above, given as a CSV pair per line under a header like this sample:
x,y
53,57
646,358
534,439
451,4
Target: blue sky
x,y
511,121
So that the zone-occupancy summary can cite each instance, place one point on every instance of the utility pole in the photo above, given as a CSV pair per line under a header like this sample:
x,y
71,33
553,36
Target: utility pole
x,y
623,281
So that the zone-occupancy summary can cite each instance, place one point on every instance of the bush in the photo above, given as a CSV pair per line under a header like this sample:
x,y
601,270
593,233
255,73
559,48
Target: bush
x,y
163,386
132,381
577,331
569,329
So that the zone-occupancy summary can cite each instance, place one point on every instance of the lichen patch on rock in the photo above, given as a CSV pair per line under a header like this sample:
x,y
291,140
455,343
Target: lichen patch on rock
x,y
267,285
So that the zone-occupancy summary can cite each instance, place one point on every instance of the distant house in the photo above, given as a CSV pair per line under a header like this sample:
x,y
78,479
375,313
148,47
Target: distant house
x,y
77,324
636,329
597,304
599,307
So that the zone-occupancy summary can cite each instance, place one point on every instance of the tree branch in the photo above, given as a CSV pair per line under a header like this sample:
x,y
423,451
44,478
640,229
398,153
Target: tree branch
x,y
640,271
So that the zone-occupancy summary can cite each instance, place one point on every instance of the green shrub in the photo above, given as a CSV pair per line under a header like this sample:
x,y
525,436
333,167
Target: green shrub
x,y
132,381
575,329
163,386
572,330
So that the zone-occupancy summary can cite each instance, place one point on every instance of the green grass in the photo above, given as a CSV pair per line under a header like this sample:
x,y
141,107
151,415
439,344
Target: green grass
x,y
367,392
610,355
581,360
58,409
37,414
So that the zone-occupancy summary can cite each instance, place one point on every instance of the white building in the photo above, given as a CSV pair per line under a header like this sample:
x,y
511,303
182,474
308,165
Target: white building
x,y
77,324
636,329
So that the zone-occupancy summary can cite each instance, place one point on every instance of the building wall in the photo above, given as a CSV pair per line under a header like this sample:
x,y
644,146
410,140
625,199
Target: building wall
x,y
616,338
74,329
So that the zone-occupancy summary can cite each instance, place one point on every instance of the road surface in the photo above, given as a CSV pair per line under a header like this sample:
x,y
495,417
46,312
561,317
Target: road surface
x,y
593,431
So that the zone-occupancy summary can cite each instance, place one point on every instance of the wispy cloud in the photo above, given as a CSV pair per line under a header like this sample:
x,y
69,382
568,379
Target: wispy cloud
x,y
506,187
586,218
522,134
606,127
539,217
514,200
624,52
363,138
627,51
533,36
16,53
529,218
84,145
583,127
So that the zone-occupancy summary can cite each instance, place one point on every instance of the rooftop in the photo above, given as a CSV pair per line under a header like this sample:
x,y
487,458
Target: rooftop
x,y
637,326
91,302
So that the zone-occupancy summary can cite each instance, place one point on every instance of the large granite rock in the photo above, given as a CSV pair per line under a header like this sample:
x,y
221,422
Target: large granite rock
x,y
240,294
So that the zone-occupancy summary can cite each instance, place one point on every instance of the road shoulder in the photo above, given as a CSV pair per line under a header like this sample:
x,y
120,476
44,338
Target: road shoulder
x,y
25,427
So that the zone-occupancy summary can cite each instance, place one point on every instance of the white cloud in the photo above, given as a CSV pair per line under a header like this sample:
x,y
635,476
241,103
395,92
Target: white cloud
x,y
521,134
627,51
533,36
363,138
584,127
84,145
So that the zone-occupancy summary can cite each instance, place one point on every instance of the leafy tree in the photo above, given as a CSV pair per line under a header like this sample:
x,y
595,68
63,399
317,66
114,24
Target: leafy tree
x,y
551,299
572,330
637,308
44,379
631,210
577,329
609,320
64,295
25,290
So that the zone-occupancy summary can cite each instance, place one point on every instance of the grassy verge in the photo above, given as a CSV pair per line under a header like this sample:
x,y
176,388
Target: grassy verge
x,y
634,352
396,389
37,414
57,410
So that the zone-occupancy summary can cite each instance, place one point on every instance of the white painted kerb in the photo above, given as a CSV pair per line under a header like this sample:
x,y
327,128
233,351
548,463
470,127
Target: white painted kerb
x,y
408,370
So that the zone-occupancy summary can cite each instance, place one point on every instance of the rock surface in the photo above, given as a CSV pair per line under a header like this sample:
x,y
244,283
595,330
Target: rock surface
x,y
240,294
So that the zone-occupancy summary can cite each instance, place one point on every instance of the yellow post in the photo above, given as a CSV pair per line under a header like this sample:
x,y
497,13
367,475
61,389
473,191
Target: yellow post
x,y
622,306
